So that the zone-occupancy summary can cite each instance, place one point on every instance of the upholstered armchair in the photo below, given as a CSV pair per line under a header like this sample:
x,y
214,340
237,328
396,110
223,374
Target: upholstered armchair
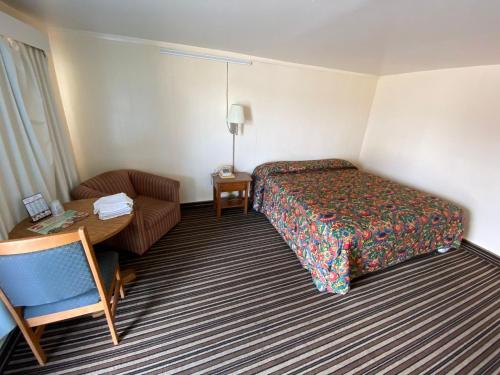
x,y
156,205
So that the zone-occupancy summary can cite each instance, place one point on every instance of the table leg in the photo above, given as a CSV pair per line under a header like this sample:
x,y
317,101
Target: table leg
x,y
128,275
215,198
219,208
246,198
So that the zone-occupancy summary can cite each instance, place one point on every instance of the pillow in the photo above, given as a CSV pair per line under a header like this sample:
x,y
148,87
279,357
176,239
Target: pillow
x,y
279,167
276,167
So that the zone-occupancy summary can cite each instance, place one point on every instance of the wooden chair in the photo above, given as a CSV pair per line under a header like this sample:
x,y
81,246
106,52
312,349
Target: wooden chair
x,y
47,279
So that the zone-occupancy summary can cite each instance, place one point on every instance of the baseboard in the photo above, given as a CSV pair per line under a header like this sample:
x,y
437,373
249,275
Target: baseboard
x,y
8,347
197,204
206,203
481,252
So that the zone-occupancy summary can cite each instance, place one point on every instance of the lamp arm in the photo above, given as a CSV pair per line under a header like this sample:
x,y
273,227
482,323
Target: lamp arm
x,y
233,152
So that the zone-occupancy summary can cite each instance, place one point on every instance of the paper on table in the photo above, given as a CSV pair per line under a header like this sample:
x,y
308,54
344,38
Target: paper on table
x,y
56,224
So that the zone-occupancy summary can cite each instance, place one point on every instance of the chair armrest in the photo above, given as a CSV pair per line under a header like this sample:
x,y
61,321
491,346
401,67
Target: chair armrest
x,y
138,219
83,192
154,186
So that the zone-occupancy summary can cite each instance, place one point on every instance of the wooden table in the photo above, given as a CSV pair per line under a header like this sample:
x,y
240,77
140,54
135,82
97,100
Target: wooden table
x,y
240,183
98,230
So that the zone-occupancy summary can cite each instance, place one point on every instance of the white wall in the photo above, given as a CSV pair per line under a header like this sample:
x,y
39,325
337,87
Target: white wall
x,y
130,107
440,131
127,106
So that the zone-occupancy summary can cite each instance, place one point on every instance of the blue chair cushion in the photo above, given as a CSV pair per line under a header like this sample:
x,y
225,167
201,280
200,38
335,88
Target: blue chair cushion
x,y
46,276
107,260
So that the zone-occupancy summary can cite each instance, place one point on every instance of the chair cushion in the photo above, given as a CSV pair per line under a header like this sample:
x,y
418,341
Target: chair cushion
x,y
153,210
107,260
112,183
46,276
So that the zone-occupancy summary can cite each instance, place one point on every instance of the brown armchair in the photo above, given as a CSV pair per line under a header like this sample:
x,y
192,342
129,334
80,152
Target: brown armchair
x,y
156,205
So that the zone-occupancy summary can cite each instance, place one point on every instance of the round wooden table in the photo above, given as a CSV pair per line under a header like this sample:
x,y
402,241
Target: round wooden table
x,y
98,230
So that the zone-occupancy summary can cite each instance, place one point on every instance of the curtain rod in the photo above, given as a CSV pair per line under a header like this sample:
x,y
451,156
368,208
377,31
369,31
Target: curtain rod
x,y
203,56
11,39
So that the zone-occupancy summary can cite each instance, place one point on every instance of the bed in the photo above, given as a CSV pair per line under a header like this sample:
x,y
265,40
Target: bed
x,y
343,223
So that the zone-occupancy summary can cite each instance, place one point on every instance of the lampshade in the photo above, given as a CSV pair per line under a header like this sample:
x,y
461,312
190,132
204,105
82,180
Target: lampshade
x,y
236,115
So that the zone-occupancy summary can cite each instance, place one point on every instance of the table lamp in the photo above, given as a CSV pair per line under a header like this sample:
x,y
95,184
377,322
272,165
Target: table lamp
x,y
236,117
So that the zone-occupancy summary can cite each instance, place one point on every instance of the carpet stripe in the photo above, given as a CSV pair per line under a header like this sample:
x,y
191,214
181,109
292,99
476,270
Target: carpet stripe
x,y
228,296
98,325
394,323
212,359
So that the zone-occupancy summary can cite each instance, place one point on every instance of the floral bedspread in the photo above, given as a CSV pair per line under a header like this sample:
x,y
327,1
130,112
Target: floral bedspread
x,y
343,223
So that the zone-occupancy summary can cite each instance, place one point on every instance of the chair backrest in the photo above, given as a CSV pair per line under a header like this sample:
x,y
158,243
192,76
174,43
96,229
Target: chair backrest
x,y
46,269
112,183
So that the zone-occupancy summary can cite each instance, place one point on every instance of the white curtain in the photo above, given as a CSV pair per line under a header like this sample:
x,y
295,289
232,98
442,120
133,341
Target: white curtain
x,y
35,152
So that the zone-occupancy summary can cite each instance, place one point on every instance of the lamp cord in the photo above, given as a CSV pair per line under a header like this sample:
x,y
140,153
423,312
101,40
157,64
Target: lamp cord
x,y
227,111
227,95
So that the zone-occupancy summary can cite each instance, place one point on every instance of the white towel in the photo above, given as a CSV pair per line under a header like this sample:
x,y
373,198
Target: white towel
x,y
113,206
111,215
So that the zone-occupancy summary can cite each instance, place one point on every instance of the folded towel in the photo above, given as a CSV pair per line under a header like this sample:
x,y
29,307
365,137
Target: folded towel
x,y
110,201
113,206
111,215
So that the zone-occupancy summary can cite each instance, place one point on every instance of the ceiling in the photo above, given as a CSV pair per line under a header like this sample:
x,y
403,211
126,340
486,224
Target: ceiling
x,y
368,36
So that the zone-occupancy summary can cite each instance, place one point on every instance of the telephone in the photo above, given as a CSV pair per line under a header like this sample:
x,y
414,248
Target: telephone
x,y
226,171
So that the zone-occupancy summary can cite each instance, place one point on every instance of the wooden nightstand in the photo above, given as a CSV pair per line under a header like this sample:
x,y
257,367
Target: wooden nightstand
x,y
240,183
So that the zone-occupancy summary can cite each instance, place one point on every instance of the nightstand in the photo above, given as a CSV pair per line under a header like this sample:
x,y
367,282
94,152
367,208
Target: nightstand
x,y
240,183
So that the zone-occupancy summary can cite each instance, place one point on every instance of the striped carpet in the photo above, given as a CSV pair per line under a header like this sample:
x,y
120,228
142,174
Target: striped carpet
x,y
230,297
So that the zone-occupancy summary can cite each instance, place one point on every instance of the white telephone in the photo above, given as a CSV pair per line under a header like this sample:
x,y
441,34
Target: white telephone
x,y
226,171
